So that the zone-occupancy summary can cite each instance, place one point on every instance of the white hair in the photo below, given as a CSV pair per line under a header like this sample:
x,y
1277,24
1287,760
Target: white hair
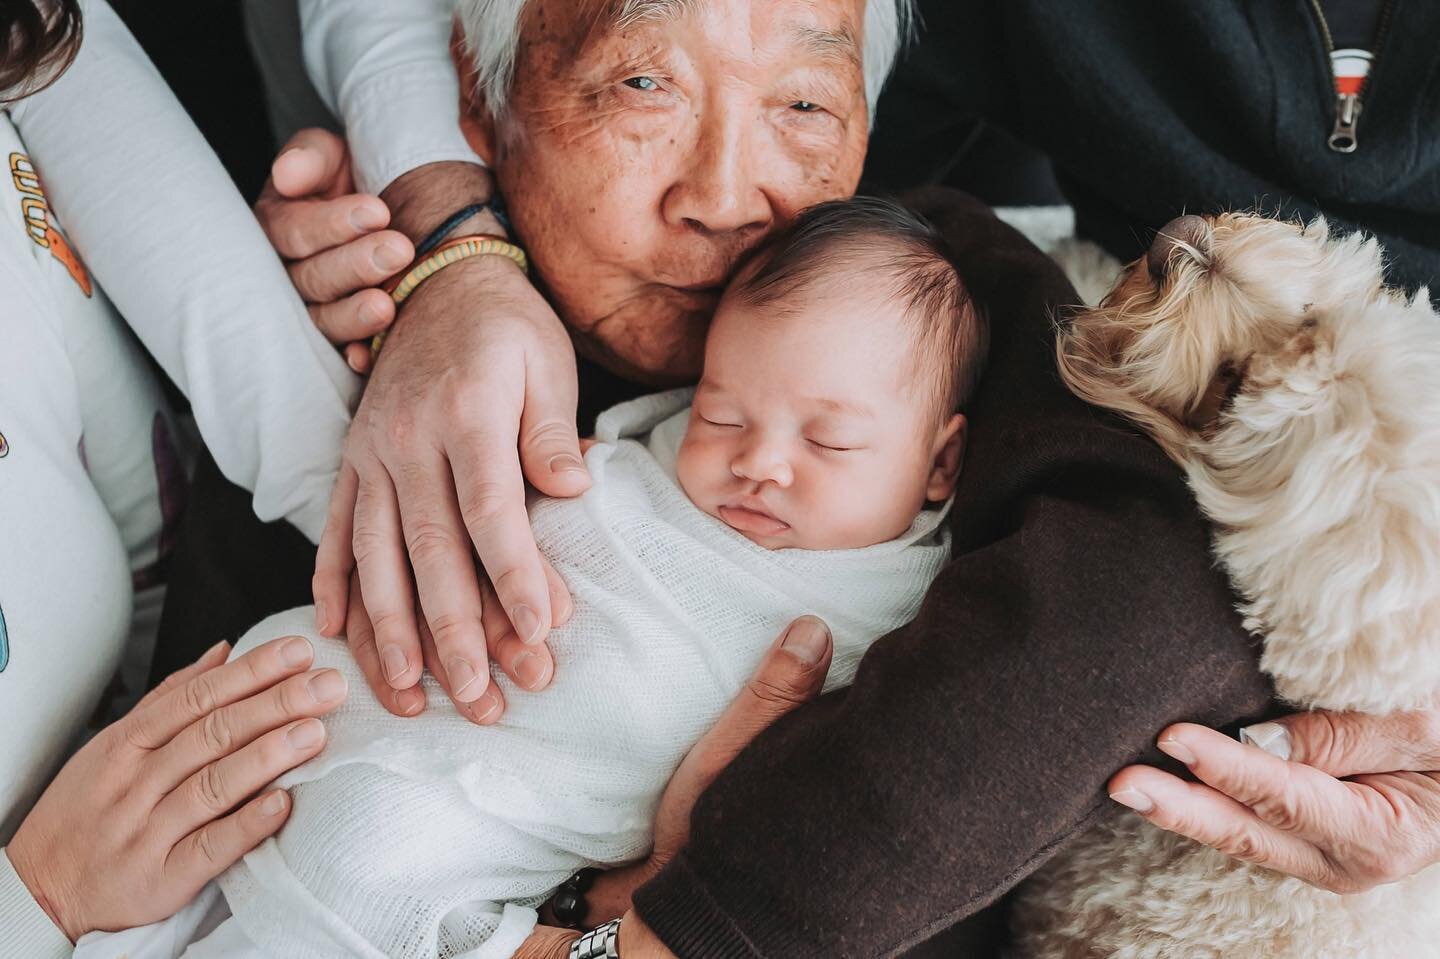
x,y
492,38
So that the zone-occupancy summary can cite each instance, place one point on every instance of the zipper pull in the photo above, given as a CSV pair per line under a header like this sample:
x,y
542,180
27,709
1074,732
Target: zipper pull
x,y
1347,117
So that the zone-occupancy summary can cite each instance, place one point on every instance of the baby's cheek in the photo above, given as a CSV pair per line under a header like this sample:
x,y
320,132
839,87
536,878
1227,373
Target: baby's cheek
x,y
691,470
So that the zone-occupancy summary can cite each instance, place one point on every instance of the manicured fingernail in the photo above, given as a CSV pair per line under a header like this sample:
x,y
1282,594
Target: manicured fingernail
x,y
273,804
1135,799
528,669
365,218
389,257
566,463
462,677
1271,737
393,661
320,619
305,734
213,650
409,701
526,623
806,640
326,687
486,706
296,653
1175,749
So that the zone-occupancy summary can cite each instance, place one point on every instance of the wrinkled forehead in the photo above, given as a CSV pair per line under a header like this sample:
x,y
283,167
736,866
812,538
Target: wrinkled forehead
x,y
817,30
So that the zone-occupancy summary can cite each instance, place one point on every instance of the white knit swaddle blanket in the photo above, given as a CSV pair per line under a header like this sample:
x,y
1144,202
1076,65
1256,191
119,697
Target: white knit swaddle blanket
x,y
431,837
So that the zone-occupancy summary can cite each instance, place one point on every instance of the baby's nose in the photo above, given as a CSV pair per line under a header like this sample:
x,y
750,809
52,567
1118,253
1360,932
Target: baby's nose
x,y
1188,230
762,463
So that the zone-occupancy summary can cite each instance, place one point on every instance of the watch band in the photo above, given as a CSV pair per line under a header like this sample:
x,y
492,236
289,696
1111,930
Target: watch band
x,y
602,942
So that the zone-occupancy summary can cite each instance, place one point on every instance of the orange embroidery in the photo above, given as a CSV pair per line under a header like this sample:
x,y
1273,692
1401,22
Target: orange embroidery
x,y
36,213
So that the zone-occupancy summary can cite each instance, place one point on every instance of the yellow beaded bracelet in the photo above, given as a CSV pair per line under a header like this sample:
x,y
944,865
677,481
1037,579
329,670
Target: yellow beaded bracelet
x,y
452,252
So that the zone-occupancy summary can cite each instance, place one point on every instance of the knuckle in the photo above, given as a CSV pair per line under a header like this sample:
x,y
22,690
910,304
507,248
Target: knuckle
x,y
483,504
216,736
1283,811
399,429
207,848
198,697
430,542
210,790
780,694
367,542
448,627
1244,844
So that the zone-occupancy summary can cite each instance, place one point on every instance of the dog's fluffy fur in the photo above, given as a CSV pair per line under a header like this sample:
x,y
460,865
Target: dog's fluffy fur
x,y
1302,398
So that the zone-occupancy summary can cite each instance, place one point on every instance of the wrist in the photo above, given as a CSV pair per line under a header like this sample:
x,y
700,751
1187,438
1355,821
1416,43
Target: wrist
x,y
638,941
34,879
420,200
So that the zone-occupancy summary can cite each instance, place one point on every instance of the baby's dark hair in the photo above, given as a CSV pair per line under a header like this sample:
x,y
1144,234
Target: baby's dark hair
x,y
885,240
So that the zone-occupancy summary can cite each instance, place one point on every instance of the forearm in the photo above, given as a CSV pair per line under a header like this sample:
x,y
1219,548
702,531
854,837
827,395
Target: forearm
x,y
973,745
385,69
160,226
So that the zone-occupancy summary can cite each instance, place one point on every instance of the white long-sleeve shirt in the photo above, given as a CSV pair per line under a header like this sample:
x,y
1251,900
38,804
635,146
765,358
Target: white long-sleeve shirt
x,y
111,206
385,69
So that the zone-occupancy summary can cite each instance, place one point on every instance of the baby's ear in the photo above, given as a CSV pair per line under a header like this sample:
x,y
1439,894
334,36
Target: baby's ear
x,y
948,454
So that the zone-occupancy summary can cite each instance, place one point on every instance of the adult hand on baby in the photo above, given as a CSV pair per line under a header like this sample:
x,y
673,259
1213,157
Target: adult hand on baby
x,y
791,674
333,241
1344,801
476,394
164,800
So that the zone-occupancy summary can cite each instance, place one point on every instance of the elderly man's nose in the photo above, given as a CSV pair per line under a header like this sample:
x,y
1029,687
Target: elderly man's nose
x,y
719,190
1183,231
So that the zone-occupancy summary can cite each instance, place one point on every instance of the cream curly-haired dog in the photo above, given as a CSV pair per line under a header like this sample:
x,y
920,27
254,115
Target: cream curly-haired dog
x,y
1302,398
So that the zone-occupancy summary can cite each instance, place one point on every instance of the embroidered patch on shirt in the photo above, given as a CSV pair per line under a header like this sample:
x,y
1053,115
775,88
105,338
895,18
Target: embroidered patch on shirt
x,y
1351,67
35,212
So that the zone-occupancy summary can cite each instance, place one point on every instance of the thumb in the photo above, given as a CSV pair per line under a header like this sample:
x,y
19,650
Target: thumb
x,y
791,674
1353,744
550,447
314,162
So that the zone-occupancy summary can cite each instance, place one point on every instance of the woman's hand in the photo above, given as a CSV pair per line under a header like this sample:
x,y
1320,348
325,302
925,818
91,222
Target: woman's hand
x,y
474,394
791,674
333,241
1344,801
164,800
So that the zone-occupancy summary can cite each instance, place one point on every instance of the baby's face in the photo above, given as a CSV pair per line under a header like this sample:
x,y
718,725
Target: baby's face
x,y
807,430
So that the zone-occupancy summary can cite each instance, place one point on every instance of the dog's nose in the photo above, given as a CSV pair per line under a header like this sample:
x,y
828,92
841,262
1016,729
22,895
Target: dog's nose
x,y
1189,230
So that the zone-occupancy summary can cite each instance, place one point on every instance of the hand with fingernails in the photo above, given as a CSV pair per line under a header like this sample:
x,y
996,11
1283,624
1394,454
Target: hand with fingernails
x,y
1344,801
167,798
474,395
334,242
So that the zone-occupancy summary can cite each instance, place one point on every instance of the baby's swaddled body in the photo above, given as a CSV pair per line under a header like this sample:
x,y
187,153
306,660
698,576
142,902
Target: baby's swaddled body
x,y
432,837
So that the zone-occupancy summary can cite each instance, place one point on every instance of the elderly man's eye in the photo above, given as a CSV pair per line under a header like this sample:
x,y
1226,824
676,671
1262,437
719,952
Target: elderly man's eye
x,y
642,83
804,106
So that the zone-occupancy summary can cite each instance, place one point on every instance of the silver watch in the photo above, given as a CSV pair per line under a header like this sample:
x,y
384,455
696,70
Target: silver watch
x,y
602,942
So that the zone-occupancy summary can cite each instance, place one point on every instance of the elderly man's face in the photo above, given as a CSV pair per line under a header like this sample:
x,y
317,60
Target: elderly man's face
x,y
641,158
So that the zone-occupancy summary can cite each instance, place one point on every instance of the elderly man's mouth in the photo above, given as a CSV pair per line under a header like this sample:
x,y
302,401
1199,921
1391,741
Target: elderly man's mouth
x,y
698,296
747,520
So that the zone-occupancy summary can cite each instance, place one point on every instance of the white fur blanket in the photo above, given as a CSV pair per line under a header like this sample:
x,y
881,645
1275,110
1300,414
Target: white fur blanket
x,y
430,837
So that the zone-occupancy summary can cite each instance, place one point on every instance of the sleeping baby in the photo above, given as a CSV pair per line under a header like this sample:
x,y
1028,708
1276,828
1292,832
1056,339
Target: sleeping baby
x,y
809,472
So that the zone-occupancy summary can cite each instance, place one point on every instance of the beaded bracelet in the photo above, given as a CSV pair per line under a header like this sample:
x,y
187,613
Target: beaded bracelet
x,y
401,288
